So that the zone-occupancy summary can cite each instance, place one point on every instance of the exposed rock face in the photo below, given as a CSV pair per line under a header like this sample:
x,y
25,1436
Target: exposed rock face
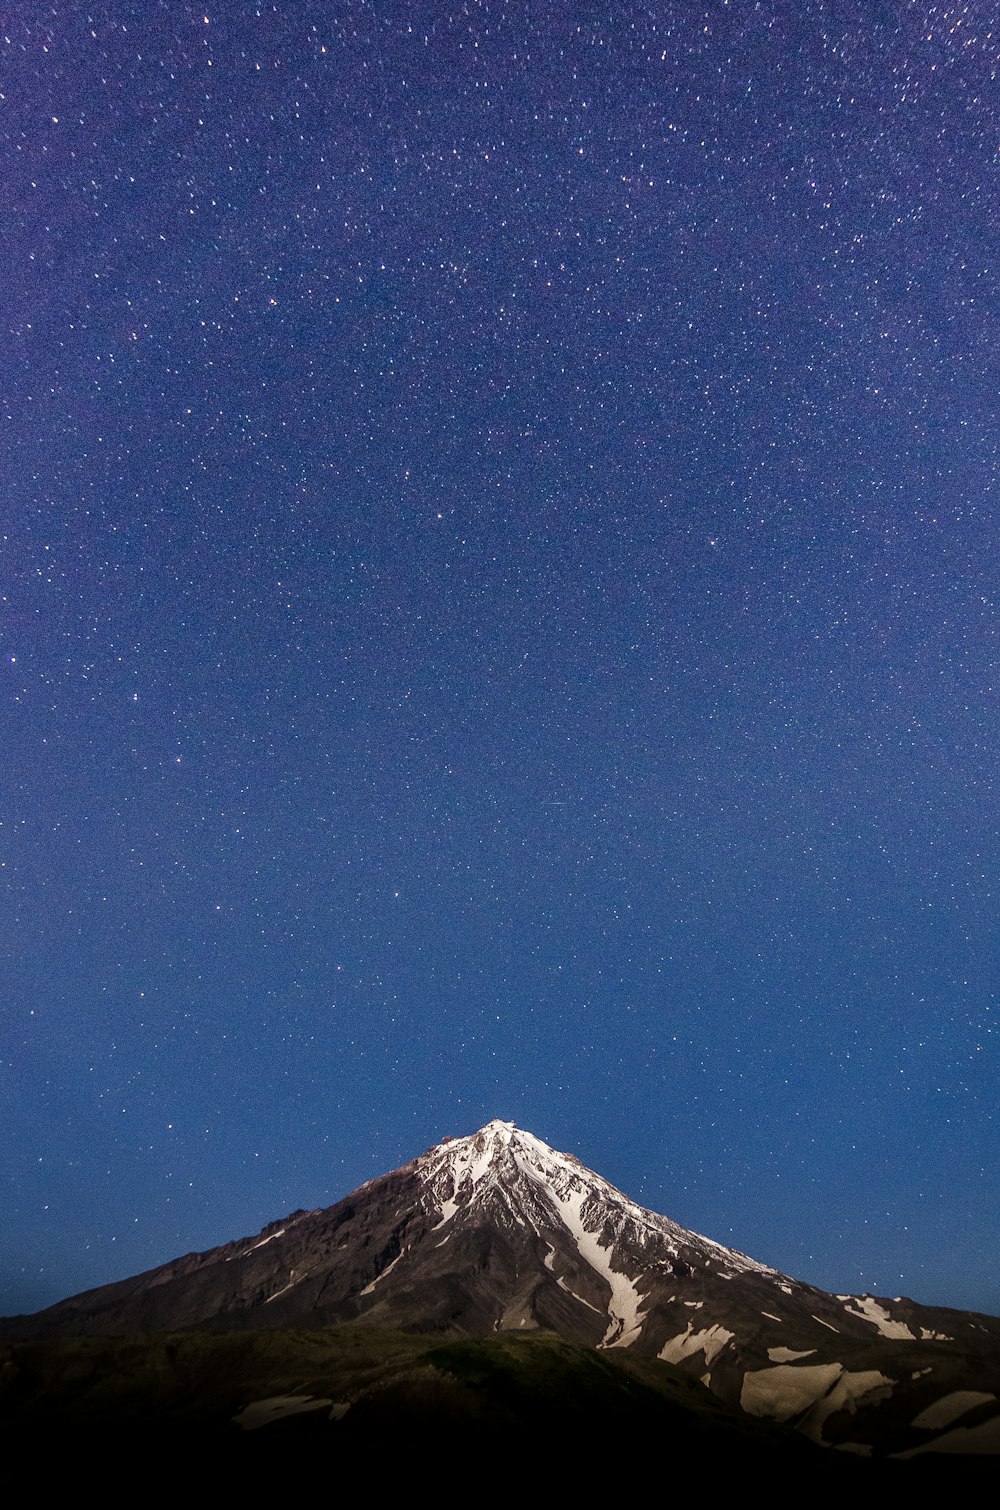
x,y
497,1231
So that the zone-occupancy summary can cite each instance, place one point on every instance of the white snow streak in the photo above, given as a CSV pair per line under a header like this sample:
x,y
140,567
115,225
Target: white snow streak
x,y
564,1286
263,1242
386,1271
254,1246
624,1308
292,1282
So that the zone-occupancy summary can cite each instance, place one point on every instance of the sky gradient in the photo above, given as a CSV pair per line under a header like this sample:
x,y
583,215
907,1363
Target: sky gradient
x,y
499,619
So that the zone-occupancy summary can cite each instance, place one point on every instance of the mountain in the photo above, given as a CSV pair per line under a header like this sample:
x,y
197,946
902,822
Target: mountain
x,y
496,1233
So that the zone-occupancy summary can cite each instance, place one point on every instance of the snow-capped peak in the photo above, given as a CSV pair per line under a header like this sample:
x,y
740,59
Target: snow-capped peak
x,y
459,1171
498,1153
530,1179
533,1182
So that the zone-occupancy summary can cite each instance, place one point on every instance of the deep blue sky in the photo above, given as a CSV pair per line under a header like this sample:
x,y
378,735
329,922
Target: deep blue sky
x,y
500,579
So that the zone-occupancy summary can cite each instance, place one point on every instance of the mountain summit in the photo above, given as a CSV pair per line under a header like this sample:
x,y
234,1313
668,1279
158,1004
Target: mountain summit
x,y
483,1233
497,1232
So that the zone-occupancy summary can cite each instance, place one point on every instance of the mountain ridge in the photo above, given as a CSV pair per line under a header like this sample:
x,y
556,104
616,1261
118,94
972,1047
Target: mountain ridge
x,y
497,1232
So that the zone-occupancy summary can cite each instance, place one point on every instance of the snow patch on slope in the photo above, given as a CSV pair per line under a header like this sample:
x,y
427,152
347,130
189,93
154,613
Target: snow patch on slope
x,y
787,1390
948,1409
277,1408
868,1309
711,1340
984,1438
850,1390
814,1391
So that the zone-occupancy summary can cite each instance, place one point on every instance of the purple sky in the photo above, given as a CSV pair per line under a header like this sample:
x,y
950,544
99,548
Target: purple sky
x,y
499,618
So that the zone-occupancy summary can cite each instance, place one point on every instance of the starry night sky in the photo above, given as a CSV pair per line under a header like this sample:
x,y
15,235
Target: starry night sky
x,y
500,584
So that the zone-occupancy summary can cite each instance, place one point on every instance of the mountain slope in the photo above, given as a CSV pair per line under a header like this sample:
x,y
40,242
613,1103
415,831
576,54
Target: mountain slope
x,y
497,1232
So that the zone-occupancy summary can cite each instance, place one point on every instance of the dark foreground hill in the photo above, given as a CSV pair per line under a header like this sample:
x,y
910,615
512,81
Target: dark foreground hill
x,y
518,1412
